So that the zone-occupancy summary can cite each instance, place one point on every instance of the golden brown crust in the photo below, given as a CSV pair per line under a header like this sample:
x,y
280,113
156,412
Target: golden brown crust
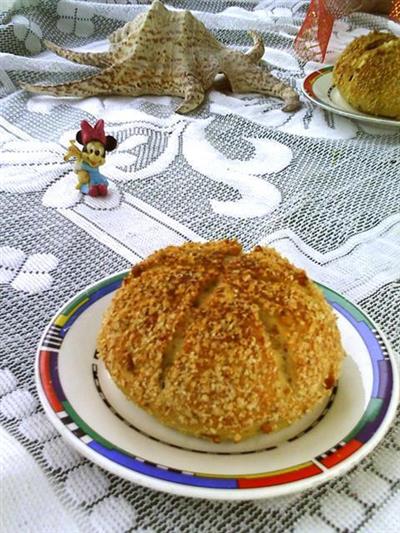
x,y
221,344
367,74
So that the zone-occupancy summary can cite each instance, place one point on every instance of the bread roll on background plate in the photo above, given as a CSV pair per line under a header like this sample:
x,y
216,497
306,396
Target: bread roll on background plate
x,y
367,74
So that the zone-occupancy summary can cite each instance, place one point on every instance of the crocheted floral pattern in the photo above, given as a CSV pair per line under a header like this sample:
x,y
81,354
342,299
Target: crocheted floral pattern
x,y
28,32
26,273
27,166
75,19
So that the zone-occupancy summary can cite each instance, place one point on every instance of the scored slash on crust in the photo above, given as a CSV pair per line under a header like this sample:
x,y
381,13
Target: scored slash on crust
x,y
183,338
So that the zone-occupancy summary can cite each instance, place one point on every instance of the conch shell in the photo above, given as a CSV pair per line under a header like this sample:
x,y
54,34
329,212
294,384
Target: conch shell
x,y
164,52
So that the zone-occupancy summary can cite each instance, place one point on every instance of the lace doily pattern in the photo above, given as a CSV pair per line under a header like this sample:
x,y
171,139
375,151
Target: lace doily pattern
x,y
322,189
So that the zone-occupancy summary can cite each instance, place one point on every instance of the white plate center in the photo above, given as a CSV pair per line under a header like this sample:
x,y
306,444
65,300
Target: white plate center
x,y
156,443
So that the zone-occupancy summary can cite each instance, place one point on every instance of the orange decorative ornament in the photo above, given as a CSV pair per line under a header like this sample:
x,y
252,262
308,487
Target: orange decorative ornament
x,y
312,40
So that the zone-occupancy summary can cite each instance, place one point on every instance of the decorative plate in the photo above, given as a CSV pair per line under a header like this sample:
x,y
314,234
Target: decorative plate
x,y
87,408
320,89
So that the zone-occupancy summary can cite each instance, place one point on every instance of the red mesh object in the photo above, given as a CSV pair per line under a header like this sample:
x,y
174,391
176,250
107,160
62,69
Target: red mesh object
x,y
313,37
395,12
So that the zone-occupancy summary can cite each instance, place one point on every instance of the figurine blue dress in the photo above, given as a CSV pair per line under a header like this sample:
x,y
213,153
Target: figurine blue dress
x,y
97,182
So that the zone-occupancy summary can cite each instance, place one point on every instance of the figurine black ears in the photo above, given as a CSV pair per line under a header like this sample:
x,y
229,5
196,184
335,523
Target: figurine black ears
x,y
79,137
109,145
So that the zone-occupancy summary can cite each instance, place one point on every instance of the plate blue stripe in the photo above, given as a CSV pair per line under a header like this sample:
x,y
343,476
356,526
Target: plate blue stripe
x,y
168,475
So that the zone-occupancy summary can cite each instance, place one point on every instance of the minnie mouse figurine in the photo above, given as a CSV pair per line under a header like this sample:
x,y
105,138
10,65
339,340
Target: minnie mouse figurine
x,y
88,160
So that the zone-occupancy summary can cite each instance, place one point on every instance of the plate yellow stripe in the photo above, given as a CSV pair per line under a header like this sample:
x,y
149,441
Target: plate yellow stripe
x,y
62,319
261,474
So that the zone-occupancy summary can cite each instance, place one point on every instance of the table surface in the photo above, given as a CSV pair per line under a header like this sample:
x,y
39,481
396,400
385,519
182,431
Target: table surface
x,y
322,189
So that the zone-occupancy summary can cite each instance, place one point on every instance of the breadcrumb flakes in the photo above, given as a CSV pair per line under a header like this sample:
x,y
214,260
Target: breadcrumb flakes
x,y
219,343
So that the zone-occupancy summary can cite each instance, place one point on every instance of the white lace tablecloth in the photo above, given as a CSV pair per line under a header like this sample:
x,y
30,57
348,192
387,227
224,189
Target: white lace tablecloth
x,y
322,189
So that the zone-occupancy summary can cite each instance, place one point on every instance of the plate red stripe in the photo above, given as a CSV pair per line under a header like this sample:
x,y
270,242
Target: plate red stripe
x,y
341,454
308,82
279,479
45,376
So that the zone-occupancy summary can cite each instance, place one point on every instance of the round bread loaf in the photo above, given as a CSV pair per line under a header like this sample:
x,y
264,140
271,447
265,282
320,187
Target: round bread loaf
x,y
219,343
367,74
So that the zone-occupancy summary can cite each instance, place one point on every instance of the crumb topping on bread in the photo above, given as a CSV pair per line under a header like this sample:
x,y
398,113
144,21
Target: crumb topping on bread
x,y
219,343
367,74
